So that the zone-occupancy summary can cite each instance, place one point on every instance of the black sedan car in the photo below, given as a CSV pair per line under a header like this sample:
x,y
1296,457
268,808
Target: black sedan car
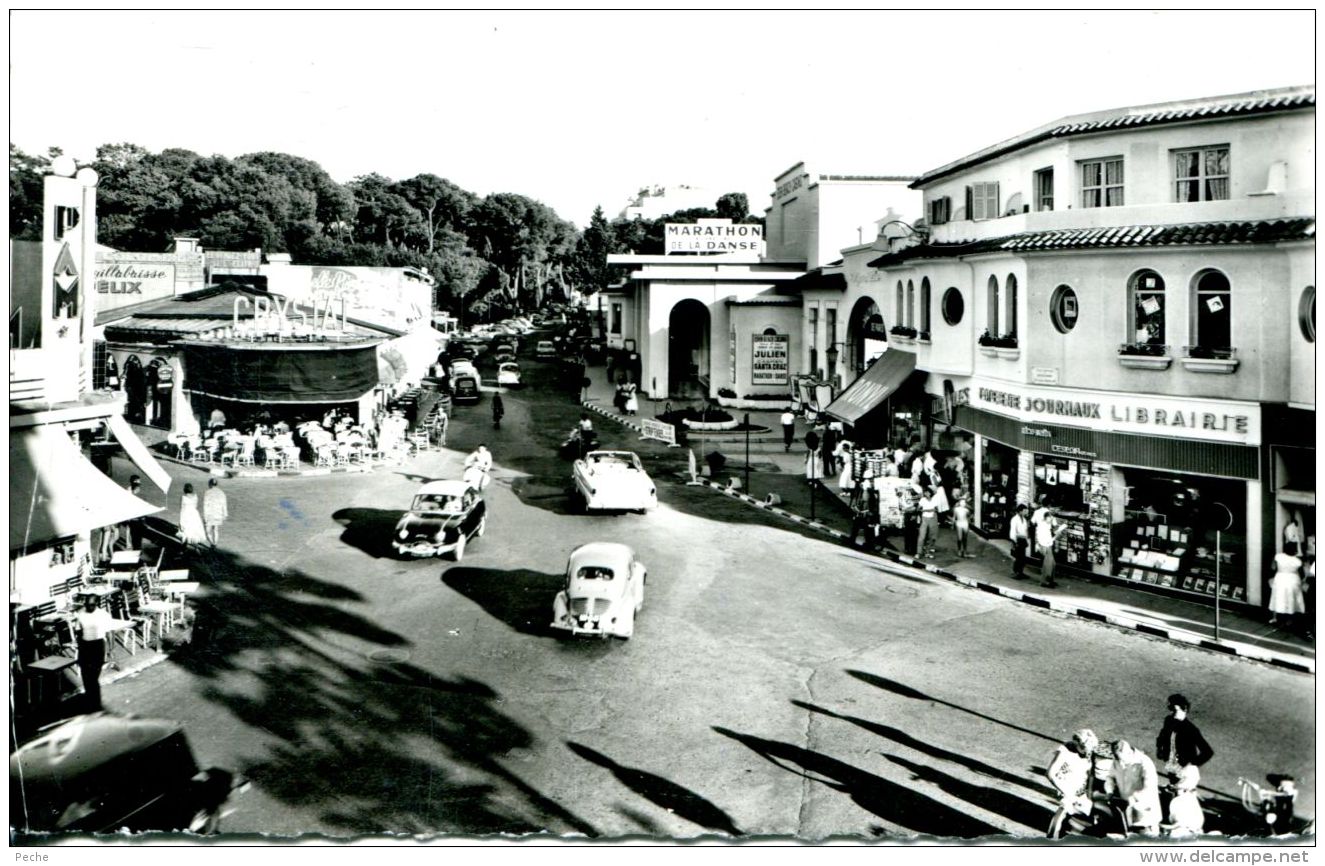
x,y
441,520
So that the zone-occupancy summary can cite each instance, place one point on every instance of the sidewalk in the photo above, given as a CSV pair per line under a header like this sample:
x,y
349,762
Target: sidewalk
x,y
1242,631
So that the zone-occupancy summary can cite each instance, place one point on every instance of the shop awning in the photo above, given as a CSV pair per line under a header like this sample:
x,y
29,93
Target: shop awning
x,y
874,386
54,492
138,453
281,373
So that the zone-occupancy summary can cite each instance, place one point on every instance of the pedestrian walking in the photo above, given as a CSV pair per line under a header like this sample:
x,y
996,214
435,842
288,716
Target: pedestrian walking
x,y
214,511
1046,536
1286,601
788,429
498,410
1071,771
92,625
1293,535
191,529
632,400
961,524
927,539
1019,533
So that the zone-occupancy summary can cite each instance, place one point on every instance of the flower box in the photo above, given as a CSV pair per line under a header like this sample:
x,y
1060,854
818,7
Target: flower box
x,y
1202,359
1145,362
989,350
1009,354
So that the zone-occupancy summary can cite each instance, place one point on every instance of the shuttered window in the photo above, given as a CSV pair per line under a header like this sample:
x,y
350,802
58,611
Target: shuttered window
x,y
982,201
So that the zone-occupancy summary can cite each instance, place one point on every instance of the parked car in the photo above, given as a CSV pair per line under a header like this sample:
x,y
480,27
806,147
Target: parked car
x,y
442,518
545,349
504,357
464,388
103,773
604,591
463,367
508,374
613,480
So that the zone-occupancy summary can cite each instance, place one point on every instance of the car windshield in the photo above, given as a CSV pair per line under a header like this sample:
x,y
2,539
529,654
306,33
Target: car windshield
x,y
594,572
439,503
611,461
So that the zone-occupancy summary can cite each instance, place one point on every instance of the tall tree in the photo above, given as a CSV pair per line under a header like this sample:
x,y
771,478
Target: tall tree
x,y
442,205
734,206
26,191
590,269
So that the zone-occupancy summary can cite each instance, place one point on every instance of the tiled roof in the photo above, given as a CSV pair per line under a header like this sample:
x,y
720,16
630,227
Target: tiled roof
x,y
1185,234
1185,111
766,302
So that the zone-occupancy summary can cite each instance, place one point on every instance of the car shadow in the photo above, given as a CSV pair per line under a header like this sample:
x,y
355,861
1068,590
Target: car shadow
x,y
521,598
369,529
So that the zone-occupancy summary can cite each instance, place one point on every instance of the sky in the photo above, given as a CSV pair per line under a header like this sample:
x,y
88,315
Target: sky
x,y
579,109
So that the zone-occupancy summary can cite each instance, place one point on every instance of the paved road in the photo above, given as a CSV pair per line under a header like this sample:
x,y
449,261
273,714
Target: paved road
x,y
776,683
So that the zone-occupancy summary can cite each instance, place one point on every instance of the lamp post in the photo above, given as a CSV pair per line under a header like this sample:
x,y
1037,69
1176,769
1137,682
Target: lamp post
x,y
747,454
1223,524
831,353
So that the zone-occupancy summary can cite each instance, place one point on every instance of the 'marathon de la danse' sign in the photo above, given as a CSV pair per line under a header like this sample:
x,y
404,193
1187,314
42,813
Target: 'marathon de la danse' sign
x,y
716,237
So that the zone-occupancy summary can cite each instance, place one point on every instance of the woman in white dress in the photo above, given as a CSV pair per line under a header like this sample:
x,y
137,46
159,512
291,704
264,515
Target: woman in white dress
x,y
1286,601
191,530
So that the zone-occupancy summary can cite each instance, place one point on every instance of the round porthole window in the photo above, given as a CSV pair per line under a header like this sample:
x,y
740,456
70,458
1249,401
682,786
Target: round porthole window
x,y
1306,313
1063,309
954,307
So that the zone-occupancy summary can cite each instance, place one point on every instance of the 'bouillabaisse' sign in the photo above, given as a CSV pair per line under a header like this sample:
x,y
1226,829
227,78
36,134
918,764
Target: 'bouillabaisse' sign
x,y
715,236
1218,420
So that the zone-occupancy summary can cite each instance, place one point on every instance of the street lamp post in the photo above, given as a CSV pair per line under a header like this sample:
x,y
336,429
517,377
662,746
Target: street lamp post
x,y
747,453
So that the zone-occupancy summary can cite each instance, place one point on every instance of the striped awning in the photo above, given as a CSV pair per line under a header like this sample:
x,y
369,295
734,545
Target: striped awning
x,y
873,386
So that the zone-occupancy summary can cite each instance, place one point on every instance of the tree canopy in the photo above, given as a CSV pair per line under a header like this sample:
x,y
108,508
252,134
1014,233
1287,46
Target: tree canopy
x,y
504,250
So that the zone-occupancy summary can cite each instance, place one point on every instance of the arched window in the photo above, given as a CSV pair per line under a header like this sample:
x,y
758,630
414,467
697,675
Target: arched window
x,y
901,305
1145,308
770,332
924,305
910,304
991,307
1010,305
1306,313
1212,319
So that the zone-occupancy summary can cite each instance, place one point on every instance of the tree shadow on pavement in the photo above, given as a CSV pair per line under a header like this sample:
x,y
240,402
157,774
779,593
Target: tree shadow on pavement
x,y
894,803
915,694
904,739
521,598
342,728
663,793
369,529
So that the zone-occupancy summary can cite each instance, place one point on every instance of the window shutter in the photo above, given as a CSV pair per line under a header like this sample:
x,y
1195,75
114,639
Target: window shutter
x,y
991,202
970,205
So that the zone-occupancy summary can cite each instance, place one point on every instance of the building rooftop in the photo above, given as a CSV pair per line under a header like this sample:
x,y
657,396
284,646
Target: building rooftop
x,y
1223,233
1181,111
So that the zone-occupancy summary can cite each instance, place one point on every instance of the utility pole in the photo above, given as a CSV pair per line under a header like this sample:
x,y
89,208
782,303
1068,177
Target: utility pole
x,y
747,453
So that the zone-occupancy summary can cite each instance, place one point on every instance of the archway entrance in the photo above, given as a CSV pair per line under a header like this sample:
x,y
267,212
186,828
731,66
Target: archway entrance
x,y
688,350
867,337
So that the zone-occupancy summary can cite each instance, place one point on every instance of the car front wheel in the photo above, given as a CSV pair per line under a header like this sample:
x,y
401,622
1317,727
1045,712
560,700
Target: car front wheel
x,y
482,527
459,552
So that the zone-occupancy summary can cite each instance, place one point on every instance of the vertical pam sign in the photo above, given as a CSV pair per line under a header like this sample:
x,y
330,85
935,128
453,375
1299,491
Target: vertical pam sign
x,y
771,362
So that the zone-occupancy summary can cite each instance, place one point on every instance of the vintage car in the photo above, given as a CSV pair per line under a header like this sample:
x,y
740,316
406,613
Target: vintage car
x,y
105,773
464,389
503,358
463,366
545,349
442,518
613,480
604,590
508,374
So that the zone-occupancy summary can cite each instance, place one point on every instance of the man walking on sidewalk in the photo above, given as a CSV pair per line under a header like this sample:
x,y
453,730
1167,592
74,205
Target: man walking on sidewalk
x,y
1046,536
788,429
1019,533
214,511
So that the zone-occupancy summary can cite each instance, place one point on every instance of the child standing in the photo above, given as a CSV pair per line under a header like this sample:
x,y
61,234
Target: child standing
x,y
961,522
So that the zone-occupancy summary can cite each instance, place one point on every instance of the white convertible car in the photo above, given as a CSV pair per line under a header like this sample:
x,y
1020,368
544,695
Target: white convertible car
x,y
614,480
604,590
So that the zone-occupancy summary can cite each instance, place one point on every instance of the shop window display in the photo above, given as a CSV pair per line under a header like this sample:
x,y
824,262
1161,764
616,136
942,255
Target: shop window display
x,y
998,488
1165,533
1067,486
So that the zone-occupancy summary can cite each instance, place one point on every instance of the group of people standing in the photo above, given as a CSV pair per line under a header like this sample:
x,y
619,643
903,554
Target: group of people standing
x,y
1084,769
1041,529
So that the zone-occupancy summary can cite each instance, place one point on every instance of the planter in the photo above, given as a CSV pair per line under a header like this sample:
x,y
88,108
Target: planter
x,y
1010,354
900,338
1145,362
1210,365
711,425
922,342
988,350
